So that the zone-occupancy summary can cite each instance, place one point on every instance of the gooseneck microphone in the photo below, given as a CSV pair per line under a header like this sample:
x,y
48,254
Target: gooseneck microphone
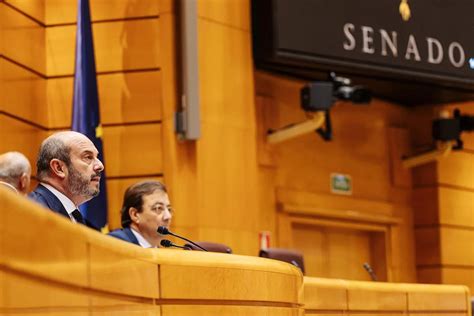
x,y
167,244
371,272
162,230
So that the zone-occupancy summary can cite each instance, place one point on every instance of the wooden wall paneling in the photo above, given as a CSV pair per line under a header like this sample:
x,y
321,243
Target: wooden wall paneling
x,y
430,275
265,151
381,255
428,246
23,93
115,191
226,77
284,237
226,151
228,166
457,247
130,97
267,217
133,150
456,207
233,13
425,175
179,158
18,136
359,149
458,275
281,89
121,45
24,40
399,145
461,175
402,265
123,98
304,201
33,8
2,8
241,240
325,251
426,205
60,12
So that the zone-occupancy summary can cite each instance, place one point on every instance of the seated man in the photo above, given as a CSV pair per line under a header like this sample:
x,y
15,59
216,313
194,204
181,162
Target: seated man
x,y
69,174
146,206
15,172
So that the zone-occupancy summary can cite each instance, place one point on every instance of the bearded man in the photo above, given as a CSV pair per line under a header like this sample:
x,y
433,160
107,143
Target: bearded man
x,y
69,174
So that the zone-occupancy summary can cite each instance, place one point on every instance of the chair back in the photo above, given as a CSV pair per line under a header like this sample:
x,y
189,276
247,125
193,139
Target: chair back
x,y
288,255
209,246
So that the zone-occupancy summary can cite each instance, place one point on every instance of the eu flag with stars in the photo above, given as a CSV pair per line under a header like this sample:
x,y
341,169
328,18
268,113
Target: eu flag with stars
x,y
85,113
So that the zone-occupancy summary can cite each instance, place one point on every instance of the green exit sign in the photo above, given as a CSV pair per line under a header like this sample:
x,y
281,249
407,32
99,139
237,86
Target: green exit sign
x,y
341,183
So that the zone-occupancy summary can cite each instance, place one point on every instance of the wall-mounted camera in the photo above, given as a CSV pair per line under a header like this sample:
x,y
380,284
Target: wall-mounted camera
x,y
317,98
446,132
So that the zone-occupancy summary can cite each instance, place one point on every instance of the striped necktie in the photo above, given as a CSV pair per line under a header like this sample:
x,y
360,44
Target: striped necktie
x,y
78,216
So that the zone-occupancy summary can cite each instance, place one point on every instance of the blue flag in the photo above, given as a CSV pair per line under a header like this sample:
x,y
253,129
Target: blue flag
x,y
85,113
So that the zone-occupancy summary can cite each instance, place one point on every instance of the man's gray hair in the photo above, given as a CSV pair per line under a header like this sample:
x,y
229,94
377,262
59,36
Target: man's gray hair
x,y
51,148
12,166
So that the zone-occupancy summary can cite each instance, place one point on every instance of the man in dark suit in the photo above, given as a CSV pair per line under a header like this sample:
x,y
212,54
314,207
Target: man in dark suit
x,y
69,174
146,206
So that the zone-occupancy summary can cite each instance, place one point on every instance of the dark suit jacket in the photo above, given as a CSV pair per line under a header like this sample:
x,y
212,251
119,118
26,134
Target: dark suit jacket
x,y
125,234
46,198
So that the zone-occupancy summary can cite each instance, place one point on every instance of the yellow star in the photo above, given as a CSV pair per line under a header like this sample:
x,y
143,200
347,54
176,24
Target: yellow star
x,y
99,131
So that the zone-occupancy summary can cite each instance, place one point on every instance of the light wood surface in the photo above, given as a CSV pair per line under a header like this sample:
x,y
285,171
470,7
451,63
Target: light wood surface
x,y
59,12
118,46
23,93
24,40
444,208
120,95
375,220
332,296
71,269
34,8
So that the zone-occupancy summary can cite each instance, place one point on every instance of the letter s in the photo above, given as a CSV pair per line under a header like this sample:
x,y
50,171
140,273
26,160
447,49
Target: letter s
x,y
350,44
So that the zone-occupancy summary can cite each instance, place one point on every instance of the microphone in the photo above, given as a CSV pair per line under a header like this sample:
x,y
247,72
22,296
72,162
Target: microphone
x,y
369,270
162,230
167,244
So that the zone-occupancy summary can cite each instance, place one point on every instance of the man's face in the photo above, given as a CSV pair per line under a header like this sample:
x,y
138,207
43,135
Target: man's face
x,y
83,178
156,211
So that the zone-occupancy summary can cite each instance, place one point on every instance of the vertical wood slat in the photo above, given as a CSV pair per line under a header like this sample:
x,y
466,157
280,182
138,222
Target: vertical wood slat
x,y
121,45
126,97
23,40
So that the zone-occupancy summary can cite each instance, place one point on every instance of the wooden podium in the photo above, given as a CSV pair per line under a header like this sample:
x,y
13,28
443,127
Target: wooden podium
x,y
50,266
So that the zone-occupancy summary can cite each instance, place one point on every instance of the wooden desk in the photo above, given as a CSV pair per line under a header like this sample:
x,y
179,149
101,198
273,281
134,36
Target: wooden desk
x,y
50,266
344,297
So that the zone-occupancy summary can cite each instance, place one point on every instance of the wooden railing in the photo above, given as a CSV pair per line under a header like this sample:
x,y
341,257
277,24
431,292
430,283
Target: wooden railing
x,y
50,266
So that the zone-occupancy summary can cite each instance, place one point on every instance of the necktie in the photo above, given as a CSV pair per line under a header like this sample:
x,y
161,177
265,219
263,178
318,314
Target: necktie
x,y
78,216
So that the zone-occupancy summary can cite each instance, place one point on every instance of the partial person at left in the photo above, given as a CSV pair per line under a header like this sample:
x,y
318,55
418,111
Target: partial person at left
x,y
15,172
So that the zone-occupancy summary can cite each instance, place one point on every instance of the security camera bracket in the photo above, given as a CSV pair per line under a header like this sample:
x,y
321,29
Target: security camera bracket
x,y
443,149
314,122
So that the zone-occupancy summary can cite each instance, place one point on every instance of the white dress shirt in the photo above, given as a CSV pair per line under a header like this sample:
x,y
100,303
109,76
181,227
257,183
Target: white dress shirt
x,y
65,201
141,240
